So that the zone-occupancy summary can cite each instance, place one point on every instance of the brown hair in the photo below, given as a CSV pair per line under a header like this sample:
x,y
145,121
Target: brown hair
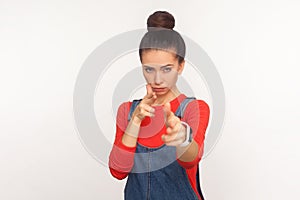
x,y
161,36
161,19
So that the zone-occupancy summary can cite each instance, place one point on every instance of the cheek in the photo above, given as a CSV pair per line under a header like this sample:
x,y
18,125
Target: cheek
x,y
171,78
148,77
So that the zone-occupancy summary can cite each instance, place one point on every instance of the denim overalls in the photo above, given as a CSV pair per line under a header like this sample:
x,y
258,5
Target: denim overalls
x,y
156,174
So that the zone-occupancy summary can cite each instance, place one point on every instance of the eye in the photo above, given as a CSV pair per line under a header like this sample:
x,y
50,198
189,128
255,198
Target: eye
x,y
167,69
148,69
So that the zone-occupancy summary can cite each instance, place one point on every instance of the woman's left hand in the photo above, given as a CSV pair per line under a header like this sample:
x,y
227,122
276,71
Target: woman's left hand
x,y
176,132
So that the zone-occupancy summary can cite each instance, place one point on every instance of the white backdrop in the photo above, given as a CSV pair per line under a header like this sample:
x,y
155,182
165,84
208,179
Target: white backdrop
x,y
255,46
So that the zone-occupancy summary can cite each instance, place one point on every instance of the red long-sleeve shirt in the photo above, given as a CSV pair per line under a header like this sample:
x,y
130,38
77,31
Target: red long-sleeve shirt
x,y
121,158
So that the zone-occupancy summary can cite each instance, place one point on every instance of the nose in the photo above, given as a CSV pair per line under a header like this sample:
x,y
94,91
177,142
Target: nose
x,y
157,79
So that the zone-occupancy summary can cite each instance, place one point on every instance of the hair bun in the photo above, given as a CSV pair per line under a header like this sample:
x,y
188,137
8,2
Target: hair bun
x,y
161,19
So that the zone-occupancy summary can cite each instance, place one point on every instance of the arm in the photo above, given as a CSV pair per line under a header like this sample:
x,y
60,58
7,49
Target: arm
x,y
121,158
197,116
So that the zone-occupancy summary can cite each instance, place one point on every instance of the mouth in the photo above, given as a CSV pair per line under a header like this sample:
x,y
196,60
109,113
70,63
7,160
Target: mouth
x,y
158,89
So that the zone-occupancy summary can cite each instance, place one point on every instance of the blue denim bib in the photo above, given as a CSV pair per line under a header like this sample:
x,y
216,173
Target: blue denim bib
x,y
156,174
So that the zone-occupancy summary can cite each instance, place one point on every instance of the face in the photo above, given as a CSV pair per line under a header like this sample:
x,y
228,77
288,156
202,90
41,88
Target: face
x,y
161,70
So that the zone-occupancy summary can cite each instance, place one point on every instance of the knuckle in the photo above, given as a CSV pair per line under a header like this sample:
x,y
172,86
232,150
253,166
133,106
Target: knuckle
x,y
148,107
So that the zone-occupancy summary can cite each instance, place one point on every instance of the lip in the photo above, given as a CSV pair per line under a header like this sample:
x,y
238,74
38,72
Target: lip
x,y
158,89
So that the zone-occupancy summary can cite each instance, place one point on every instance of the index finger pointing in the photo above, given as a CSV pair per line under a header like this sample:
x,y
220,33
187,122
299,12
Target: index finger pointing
x,y
167,109
149,91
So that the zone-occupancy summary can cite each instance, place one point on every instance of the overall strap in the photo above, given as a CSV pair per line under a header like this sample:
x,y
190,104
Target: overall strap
x,y
181,108
132,107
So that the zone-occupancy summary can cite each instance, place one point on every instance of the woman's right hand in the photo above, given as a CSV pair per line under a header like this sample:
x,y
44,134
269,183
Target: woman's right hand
x,y
144,108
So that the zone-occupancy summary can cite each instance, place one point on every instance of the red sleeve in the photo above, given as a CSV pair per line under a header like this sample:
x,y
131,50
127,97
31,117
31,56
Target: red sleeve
x,y
121,158
196,116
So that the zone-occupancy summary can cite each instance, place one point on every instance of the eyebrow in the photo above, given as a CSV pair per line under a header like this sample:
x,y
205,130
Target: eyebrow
x,y
161,66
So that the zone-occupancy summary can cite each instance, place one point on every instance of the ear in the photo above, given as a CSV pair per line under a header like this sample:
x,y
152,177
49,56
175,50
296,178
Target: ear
x,y
180,67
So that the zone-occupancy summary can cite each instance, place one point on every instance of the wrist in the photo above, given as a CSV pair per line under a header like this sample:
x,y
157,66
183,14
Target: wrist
x,y
136,120
188,135
133,127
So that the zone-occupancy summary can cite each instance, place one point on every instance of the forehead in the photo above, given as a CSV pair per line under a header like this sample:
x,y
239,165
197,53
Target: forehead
x,y
158,57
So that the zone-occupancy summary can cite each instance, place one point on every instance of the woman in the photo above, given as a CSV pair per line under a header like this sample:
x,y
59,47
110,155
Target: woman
x,y
160,139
